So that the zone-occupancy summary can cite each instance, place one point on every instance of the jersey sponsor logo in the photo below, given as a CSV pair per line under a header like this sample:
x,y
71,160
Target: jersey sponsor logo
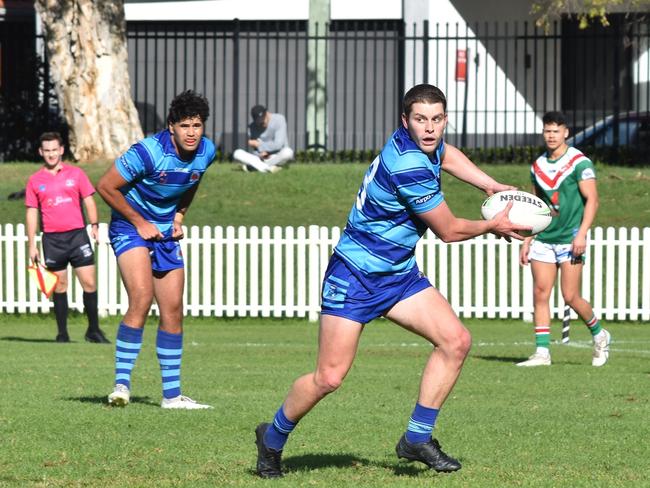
x,y
587,173
424,199
69,183
41,188
58,201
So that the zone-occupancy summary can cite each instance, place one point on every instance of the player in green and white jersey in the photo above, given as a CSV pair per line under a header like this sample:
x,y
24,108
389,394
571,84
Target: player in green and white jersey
x,y
566,180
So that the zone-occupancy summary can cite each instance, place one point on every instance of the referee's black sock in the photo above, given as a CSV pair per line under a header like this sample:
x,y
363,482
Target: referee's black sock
x,y
61,311
90,307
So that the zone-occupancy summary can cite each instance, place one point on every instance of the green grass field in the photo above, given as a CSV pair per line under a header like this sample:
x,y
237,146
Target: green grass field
x,y
570,425
322,194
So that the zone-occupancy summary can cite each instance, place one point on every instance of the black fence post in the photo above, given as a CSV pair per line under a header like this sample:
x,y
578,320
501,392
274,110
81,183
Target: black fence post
x,y
617,88
425,52
235,85
401,62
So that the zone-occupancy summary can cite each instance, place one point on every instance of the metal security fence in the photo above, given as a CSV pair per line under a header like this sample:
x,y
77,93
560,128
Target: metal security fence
x,y
354,93
277,272
340,83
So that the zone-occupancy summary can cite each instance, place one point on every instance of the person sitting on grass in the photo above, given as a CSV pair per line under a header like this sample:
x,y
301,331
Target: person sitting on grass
x,y
267,141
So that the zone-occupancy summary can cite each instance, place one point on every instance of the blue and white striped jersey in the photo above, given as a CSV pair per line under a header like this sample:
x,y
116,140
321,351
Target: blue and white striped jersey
x,y
158,178
383,227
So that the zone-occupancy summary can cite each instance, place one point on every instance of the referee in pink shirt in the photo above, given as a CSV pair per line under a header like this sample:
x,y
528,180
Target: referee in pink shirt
x,y
55,192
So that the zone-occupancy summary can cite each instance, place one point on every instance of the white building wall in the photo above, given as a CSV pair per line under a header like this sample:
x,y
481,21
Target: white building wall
x,y
641,77
218,10
499,105
365,9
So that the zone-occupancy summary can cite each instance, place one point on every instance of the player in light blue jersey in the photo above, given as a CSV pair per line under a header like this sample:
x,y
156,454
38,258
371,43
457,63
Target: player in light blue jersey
x,y
373,273
150,188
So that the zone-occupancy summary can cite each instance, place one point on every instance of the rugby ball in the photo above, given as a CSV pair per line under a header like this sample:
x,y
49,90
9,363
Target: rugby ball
x,y
527,209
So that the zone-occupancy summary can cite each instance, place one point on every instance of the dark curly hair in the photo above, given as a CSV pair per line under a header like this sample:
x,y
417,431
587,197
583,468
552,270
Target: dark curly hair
x,y
188,104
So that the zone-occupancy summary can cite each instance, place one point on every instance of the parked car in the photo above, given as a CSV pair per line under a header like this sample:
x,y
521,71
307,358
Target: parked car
x,y
633,130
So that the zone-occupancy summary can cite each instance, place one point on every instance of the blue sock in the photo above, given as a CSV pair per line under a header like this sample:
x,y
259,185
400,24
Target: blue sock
x,y
169,348
421,424
127,348
278,432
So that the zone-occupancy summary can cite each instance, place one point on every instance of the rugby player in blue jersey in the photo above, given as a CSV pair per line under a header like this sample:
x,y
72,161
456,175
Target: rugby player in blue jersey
x,y
150,188
373,273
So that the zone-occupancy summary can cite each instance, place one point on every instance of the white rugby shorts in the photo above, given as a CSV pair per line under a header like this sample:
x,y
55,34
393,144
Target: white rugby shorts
x,y
550,253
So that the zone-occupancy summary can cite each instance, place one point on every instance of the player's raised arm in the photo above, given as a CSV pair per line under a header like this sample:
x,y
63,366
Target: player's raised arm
x,y
457,164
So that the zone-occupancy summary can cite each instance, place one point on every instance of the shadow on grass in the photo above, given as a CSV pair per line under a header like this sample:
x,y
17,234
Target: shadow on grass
x,y
500,359
514,360
101,400
29,339
402,468
310,462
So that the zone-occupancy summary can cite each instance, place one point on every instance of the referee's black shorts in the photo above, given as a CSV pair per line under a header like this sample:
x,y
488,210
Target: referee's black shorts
x,y
61,248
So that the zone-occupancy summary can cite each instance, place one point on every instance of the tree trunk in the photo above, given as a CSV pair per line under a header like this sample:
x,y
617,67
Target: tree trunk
x,y
86,45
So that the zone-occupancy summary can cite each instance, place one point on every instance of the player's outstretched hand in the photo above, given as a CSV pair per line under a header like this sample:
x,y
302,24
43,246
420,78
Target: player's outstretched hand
x,y
503,227
497,187
149,231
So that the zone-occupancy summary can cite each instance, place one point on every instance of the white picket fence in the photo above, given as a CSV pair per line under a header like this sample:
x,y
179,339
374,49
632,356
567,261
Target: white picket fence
x,y
277,272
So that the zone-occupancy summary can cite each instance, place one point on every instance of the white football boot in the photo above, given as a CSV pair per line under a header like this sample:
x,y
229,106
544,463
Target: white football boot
x,y
182,402
120,396
537,359
601,348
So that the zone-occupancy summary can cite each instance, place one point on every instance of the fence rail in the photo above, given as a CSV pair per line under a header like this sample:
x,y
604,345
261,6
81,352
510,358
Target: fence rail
x,y
277,272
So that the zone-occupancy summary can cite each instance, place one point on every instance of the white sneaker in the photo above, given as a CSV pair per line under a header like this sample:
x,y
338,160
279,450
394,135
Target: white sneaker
x,y
120,396
275,169
537,359
601,348
182,402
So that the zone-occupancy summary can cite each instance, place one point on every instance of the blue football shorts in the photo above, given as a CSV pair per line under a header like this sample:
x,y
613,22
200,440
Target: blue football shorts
x,y
363,298
165,254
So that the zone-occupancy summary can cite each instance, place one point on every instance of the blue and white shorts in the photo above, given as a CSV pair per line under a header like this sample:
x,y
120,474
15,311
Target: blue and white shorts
x,y
165,254
551,253
363,298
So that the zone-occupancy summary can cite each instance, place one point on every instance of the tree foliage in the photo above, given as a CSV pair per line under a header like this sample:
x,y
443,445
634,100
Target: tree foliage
x,y
586,11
